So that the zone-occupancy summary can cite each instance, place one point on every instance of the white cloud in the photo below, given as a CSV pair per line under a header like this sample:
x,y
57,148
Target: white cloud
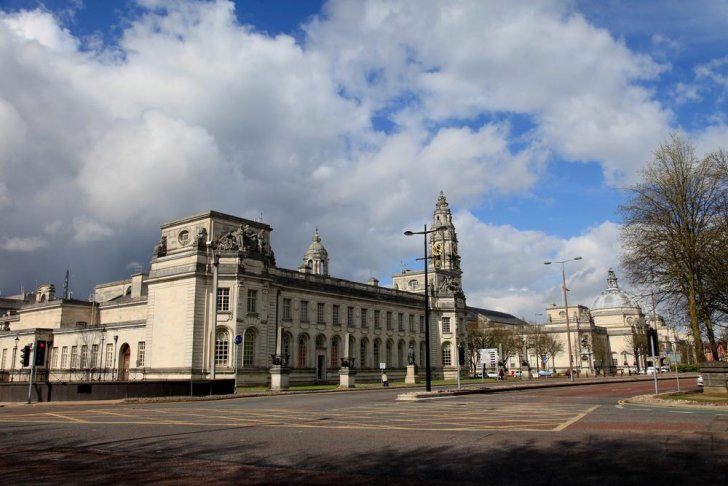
x,y
504,267
580,84
40,27
18,244
146,163
86,230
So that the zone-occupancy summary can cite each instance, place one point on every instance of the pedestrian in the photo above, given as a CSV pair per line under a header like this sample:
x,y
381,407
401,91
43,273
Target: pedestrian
x,y
500,374
385,381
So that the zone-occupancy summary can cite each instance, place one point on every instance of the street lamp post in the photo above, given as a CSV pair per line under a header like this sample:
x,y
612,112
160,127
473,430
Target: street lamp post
x,y
15,356
115,358
566,310
428,375
101,359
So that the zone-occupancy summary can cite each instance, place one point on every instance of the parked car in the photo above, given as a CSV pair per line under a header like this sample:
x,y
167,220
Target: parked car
x,y
699,381
491,374
516,373
545,373
650,370
664,369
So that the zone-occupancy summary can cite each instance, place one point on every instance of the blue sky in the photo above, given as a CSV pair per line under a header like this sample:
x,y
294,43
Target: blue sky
x,y
349,116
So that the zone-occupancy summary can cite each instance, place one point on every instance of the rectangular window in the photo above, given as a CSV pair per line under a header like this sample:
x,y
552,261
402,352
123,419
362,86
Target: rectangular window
x,y
377,324
445,324
287,309
64,357
422,324
389,321
109,356
54,358
252,301
412,323
335,315
5,355
321,313
84,357
223,300
141,350
304,311
400,322
364,322
94,355
350,317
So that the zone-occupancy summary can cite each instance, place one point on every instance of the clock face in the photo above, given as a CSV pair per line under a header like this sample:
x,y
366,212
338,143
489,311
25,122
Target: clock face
x,y
437,248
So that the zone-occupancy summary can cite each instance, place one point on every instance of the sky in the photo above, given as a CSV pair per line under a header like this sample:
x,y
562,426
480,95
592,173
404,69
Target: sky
x,y
533,118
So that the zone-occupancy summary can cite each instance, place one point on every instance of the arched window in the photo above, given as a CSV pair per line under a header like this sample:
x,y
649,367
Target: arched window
x,y
222,347
422,354
320,341
400,354
389,353
363,351
335,342
249,348
446,355
377,352
302,351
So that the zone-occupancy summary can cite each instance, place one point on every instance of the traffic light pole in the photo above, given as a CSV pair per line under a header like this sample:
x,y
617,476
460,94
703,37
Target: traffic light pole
x,y
34,350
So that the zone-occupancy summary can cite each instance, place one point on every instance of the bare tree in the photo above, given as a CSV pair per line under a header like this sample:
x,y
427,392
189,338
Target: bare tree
x,y
552,347
536,340
674,225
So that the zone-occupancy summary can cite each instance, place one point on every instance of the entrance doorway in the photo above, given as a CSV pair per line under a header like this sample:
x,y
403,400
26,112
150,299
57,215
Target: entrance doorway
x,y
321,367
124,359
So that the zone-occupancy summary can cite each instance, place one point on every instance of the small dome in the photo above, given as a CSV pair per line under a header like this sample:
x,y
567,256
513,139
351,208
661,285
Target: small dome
x,y
613,296
316,258
316,248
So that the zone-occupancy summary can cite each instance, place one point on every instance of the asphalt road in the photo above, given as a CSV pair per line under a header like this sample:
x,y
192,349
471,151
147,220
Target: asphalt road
x,y
552,436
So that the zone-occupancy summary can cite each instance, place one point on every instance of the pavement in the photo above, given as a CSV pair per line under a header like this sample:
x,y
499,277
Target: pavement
x,y
468,388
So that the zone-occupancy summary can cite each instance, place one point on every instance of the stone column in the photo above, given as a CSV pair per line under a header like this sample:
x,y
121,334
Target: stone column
x,y
347,373
279,372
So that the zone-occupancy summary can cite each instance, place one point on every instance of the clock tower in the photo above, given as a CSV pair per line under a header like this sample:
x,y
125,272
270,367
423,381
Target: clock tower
x,y
444,244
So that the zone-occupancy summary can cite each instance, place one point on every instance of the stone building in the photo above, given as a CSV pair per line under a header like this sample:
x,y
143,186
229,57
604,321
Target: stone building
x,y
215,305
610,334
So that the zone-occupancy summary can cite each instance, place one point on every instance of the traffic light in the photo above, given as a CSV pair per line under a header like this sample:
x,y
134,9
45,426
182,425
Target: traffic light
x,y
25,355
40,352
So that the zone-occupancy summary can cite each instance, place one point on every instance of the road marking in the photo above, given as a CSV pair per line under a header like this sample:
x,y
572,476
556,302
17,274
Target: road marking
x,y
575,419
66,417
430,416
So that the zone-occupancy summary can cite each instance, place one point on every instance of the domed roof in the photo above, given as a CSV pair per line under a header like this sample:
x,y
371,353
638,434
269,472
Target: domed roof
x,y
316,249
613,296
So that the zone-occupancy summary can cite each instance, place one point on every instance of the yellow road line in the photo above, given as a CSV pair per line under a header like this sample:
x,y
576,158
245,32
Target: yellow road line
x,y
66,417
575,419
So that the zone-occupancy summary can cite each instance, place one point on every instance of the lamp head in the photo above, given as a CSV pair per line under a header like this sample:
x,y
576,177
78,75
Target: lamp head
x,y
408,233
547,263
577,258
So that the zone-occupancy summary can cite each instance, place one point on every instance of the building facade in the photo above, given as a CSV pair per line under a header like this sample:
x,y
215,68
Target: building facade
x,y
610,335
215,305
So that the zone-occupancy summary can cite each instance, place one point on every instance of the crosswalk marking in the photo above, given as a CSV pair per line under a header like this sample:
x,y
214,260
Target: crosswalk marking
x,y
394,416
